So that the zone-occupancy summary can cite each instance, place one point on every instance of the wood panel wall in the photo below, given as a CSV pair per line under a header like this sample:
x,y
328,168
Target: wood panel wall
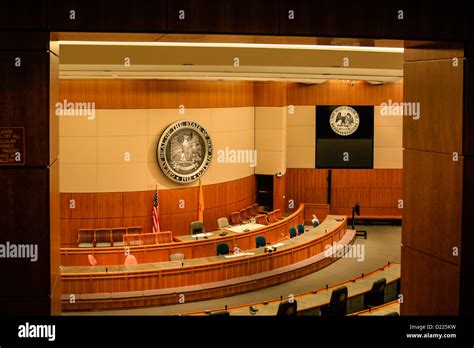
x,y
337,93
433,181
271,93
376,190
158,94
124,209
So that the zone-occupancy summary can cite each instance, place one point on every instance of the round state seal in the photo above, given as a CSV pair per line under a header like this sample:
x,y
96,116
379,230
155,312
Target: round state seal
x,y
344,120
184,151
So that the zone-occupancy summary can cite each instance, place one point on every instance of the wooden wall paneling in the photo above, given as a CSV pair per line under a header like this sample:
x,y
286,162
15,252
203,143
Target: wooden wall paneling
x,y
423,21
431,288
270,93
432,50
223,16
108,16
138,203
125,94
466,301
446,111
109,222
432,179
65,210
25,219
157,94
424,195
23,14
306,185
468,108
54,239
312,18
337,92
86,205
20,109
145,221
110,205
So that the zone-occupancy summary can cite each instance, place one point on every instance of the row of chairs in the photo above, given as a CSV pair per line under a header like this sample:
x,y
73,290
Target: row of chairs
x,y
148,238
104,237
244,215
223,248
296,231
337,306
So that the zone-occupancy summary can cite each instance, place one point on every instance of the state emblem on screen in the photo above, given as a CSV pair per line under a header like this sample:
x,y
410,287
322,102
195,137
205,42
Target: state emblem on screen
x,y
184,151
344,120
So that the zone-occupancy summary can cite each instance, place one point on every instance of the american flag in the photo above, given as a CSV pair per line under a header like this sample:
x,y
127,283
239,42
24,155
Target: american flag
x,y
156,213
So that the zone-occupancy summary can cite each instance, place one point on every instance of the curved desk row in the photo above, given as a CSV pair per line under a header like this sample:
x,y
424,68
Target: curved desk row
x,y
163,283
191,249
385,309
310,302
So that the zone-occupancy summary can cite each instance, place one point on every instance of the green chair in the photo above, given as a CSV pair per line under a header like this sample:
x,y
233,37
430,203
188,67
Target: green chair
x,y
292,232
300,229
260,241
222,249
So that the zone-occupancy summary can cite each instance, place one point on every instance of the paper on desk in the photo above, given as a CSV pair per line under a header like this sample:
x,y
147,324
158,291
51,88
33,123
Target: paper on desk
x,y
239,254
201,235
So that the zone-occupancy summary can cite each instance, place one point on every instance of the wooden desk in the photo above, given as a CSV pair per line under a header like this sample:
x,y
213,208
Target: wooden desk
x,y
209,277
393,306
185,245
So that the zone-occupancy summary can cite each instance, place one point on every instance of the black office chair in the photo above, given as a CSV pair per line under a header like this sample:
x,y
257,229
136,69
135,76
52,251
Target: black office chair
x,y
222,249
260,241
376,295
292,232
337,306
300,229
196,227
287,308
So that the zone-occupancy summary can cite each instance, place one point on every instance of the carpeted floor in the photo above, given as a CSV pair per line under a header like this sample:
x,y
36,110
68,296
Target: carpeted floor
x,y
381,246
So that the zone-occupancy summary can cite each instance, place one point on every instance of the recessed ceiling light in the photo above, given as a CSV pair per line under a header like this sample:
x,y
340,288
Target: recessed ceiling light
x,y
237,45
